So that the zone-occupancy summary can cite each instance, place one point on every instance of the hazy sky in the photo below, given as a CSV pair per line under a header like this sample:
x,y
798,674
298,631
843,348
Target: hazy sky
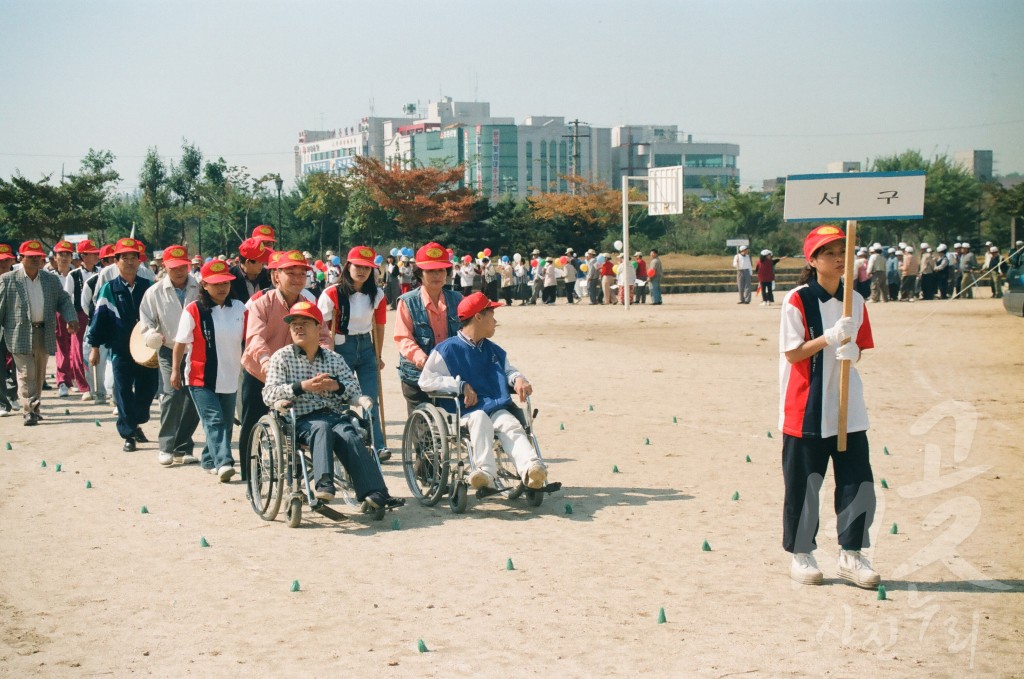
x,y
795,84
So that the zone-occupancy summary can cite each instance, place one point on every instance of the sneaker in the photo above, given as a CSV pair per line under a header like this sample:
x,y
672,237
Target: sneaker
x,y
100,399
225,473
804,570
854,567
480,479
30,420
210,470
86,395
62,390
188,459
384,454
536,476
113,411
4,411
324,490
166,459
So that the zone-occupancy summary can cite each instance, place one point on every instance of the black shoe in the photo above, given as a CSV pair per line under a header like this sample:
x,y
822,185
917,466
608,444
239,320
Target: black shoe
x,y
47,387
30,420
384,454
324,490
129,445
139,436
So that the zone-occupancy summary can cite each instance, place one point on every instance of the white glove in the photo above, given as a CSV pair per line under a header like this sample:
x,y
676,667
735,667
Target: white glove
x,y
366,403
154,340
838,332
848,352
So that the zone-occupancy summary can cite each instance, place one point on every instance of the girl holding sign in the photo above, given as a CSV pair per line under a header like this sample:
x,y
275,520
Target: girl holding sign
x,y
811,347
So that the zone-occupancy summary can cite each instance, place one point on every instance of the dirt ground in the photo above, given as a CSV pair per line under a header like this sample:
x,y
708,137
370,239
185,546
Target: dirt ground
x,y
676,398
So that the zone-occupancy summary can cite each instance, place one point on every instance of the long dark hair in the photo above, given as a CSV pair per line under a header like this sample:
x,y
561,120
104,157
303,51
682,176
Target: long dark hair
x,y
205,302
348,285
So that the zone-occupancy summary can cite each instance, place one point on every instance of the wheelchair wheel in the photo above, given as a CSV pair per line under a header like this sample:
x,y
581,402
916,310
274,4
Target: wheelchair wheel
x,y
507,473
266,468
425,454
458,498
343,483
534,497
294,512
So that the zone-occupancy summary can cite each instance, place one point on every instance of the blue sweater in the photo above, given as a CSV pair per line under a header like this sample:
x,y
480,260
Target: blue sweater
x,y
483,367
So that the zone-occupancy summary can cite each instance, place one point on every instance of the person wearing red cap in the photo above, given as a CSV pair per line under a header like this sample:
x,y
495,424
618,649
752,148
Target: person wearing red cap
x,y
251,274
101,379
356,311
160,314
210,330
70,368
264,234
7,371
811,347
318,385
30,299
426,316
478,370
117,312
265,334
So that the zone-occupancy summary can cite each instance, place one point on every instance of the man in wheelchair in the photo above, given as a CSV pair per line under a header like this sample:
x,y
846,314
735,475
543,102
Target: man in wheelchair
x,y
319,385
472,366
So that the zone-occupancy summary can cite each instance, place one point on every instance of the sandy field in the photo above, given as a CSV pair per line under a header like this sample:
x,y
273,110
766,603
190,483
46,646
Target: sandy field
x,y
676,398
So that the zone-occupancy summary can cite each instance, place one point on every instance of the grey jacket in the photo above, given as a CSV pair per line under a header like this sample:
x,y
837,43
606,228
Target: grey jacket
x,y
15,316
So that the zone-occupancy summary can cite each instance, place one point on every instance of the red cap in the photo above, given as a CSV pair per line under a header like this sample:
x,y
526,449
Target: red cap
x,y
106,251
6,251
275,258
31,248
432,256
64,246
263,233
86,247
253,248
362,255
215,271
288,259
473,304
820,237
304,308
127,245
141,247
175,255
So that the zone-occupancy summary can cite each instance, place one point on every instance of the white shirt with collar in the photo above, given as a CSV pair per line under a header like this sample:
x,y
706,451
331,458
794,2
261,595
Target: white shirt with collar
x,y
160,309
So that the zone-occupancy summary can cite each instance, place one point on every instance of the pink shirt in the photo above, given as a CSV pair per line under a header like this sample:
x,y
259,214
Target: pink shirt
x,y
438,316
266,331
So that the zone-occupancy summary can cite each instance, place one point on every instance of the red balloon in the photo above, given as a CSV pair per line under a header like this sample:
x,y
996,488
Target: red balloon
x,y
467,259
533,262
563,259
450,251
487,252
650,273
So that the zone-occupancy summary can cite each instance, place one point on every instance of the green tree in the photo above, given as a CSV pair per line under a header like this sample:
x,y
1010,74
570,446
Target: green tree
x,y
153,182
184,182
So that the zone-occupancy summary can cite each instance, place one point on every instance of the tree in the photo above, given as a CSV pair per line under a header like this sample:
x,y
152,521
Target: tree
x,y
417,197
326,199
184,183
593,214
153,182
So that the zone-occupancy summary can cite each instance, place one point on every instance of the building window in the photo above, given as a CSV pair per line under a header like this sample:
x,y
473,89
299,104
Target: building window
x,y
704,160
529,161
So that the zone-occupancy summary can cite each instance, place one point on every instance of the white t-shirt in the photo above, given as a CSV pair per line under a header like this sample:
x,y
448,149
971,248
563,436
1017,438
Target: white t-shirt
x,y
360,319
228,322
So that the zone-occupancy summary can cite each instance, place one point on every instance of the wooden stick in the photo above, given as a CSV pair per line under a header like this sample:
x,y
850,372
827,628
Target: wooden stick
x,y
844,366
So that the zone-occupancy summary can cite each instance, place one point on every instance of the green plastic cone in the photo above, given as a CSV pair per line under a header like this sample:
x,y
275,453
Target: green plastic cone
x,y
97,423
705,547
591,408
67,411
144,510
748,458
43,464
88,484
881,592
568,508
509,566
57,468
894,530
561,426
295,585
769,434
8,446
661,616
675,420
736,496
884,484
203,542
886,448
647,442
395,524
615,468
421,647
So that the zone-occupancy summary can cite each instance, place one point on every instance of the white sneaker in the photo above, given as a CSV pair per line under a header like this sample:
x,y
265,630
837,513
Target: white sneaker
x,y
480,479
854,567
62,390
86,395
113,410
225,473
189,459
804,570
536,476
166,459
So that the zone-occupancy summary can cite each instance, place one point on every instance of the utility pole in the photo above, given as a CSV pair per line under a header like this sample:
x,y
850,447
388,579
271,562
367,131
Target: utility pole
x,y
575,150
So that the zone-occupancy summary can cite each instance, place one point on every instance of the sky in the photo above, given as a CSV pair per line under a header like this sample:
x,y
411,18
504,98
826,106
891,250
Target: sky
x,y
795,84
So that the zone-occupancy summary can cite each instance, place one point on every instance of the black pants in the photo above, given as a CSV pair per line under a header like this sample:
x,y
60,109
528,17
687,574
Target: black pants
x,y
548,294
253,408
506,294
135,387
413,396
804,463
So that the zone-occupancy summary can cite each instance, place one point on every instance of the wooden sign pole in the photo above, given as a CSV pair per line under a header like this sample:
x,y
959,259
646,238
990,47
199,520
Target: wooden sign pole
x,y
844,366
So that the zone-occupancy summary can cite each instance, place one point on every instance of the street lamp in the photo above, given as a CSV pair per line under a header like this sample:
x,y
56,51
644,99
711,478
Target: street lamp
x,y
280,226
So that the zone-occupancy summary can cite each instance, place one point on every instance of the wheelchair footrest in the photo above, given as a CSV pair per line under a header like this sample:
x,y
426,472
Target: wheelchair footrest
x,y
490,491
332,514
551,487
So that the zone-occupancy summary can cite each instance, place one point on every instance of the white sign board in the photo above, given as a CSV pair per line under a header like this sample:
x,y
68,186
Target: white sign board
x,y
75,237
854,195
665,190
736,242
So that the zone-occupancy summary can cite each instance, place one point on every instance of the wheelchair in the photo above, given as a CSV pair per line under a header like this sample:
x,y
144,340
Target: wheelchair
x,y
436,457
281,470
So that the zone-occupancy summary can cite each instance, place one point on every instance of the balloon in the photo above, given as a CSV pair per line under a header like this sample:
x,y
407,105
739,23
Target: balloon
x,y
517,257
618,245
336,260
480,255
376,260
319,275
487,252
583,268
651,273
395,252
542,262
533,262
407,252
635,264
450,251
504,258
600,259
562,260
615,268
468,259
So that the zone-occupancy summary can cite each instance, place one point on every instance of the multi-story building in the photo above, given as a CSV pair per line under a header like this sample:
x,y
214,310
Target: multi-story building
x,y
334,150
978,163
840,166
636,149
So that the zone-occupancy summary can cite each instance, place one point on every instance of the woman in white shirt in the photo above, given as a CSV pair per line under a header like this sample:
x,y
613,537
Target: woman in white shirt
x,y
356,310
211,330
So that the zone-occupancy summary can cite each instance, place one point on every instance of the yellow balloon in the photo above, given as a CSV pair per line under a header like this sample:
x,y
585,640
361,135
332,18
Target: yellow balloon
x,y
583,268
480,255
615,268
